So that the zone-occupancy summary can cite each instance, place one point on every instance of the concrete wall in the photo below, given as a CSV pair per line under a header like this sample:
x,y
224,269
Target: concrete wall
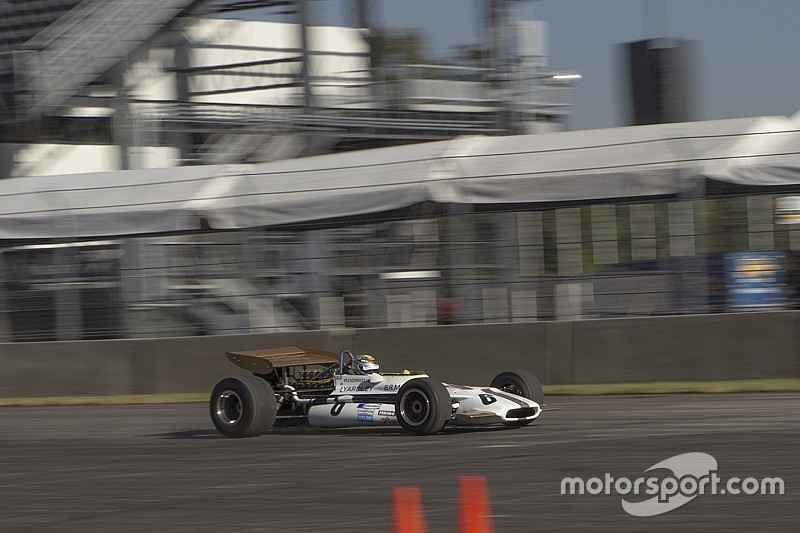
x,y
701,347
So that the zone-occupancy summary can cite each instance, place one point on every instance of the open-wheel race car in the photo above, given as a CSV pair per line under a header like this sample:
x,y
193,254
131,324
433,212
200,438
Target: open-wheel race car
x,y
301,384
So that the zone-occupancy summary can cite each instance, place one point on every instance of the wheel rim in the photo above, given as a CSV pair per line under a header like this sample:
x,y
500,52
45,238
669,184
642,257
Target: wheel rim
x,y
414,407
511,387
228,407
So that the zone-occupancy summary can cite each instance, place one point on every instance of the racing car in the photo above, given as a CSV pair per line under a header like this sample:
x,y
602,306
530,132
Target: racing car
x,y
325,390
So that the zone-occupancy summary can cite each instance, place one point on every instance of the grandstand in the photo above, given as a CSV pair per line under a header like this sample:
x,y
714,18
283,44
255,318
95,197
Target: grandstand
x,y
147,84
633,221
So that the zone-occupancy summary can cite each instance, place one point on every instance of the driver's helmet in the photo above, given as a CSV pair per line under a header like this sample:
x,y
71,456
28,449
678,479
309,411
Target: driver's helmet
x,y
366,364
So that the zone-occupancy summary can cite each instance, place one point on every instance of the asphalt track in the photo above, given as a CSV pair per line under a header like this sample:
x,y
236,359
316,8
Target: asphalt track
x,y
164,468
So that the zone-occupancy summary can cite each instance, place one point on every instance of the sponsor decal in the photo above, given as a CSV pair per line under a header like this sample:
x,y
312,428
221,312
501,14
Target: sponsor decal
x,y
369,406
383,412
360,387
392,387
364,417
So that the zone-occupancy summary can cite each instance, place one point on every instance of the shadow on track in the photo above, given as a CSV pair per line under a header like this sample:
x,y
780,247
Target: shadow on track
x,y
191,434
394,431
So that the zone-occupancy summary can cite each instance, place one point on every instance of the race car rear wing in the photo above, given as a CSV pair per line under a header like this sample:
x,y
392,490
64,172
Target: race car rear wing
x,y
266,360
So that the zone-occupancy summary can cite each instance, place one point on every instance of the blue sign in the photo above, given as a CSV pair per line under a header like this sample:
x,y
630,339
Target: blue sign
x,y
755,280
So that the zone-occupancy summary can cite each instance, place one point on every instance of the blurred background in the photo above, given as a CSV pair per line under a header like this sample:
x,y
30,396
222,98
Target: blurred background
x,y
677,203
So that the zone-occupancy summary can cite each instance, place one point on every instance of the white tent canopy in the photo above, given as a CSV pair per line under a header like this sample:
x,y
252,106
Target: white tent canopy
x,y
767,153
642,161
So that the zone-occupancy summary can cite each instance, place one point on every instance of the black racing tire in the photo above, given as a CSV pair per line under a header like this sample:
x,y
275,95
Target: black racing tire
x,y
423,406
519,382
522,383
243,406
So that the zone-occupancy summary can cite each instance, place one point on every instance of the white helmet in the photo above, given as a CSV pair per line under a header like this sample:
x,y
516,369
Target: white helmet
x,y
366,364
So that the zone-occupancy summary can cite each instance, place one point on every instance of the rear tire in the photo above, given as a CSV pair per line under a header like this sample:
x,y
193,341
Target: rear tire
x,y
243,406
423,406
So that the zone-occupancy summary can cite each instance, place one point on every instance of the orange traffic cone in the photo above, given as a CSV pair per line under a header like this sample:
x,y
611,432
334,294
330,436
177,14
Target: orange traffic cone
x,y
474,511
407,509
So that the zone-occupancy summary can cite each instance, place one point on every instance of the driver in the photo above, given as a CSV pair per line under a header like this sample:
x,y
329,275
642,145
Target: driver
x,y
365,364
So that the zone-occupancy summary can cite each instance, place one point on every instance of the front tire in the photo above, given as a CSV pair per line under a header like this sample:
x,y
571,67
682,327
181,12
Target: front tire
x,y
243,406
522,383
519,382
423,406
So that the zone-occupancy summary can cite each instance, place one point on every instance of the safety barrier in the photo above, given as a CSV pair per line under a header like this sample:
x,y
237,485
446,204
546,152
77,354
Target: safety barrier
x,y
673,348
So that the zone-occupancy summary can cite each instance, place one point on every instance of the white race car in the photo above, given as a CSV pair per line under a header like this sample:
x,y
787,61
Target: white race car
x,y
294,383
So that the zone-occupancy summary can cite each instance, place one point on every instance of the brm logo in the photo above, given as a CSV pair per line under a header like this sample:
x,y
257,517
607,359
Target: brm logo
x,y
487,399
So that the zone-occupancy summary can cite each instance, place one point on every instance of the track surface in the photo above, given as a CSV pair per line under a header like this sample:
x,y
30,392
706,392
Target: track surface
x,y
164,468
